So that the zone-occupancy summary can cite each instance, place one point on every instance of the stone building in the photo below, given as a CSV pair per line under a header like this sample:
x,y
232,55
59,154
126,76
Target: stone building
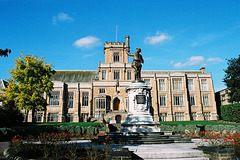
x,y
3,85
100,94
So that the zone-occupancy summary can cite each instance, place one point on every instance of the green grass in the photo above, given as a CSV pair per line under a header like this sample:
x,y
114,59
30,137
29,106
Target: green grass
x,y
82,124
197,122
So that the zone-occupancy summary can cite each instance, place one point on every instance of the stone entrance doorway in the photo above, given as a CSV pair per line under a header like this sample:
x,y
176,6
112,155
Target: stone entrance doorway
x,y
116,104
118,119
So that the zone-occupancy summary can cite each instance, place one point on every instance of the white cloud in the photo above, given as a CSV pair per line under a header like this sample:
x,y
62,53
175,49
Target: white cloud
x,y
203,39
89,55
214,59
158,38
194,60
87,42
148,58
61,17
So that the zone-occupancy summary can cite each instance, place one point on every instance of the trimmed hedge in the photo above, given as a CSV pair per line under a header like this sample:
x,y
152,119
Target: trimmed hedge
x,y
231,112
8,133
193,128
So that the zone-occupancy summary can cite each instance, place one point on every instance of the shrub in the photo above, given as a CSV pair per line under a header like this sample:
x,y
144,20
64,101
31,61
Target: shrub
x,y
231,112
10,117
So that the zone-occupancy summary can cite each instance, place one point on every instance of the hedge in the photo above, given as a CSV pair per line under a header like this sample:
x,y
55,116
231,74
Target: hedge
x,y
8,133
231,112
193,128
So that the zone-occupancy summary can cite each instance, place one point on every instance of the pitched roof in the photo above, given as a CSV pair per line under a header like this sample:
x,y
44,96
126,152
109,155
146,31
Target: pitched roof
x,y
3,84
74,76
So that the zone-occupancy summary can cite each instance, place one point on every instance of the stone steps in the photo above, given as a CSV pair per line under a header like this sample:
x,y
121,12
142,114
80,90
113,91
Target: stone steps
x,y
143,138
195,158
178,151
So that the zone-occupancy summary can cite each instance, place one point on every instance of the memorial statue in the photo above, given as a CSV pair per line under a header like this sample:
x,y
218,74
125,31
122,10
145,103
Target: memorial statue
x,y
136,64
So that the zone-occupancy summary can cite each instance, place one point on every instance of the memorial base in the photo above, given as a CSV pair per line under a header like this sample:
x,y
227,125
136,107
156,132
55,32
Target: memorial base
x,y
140,123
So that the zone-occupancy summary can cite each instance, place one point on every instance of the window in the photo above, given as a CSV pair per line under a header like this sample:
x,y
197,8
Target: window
x,y
104,75
178,100
223,97
205,100
100,103
192,100
39,117
204,84
194,116
70,100
162,100
162,85
99,114
102,90
190,84
129,75
52,117
163,116
179,116
207,115
85,96
177,84
70,117
116,75
147,81
116,57
54,100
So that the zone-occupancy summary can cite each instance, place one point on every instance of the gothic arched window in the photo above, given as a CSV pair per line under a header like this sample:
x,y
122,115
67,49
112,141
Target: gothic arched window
x,y
116,57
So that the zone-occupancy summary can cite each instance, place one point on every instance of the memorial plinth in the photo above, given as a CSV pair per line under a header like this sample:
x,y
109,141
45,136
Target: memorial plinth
x,y
139,118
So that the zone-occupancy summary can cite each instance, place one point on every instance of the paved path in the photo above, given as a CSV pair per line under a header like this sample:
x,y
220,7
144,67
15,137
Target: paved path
x,y
3,146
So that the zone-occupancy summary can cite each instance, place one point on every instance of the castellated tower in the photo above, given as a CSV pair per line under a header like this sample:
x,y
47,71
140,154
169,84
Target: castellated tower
x,y
116,51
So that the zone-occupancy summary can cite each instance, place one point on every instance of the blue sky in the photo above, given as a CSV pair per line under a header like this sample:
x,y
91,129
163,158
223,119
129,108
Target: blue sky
x,y
173,34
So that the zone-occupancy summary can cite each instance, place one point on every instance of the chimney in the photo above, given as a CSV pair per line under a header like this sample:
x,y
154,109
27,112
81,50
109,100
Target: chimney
x,y
202,69
127,42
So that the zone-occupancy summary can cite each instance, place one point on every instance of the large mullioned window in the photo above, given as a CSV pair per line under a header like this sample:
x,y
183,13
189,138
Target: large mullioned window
x,y
85,97
52,117
190,84
178,100
177,84
104,75
204,85
162,100
54,100
205,100
162,85
116,57
116,75
70,100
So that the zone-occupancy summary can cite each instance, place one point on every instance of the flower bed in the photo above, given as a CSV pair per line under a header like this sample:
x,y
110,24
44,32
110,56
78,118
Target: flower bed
x,y
219,144
56,146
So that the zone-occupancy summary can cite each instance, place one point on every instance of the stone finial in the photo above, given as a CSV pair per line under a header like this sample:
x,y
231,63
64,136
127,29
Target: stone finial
x,y
203,70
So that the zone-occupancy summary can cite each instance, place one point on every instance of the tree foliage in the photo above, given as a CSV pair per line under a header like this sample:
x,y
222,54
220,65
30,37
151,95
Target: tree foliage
x,y
5,52
30,79
232,79
231,112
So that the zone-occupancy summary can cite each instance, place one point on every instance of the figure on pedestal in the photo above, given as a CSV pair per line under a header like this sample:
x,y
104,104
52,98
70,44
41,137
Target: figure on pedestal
x,y
137,64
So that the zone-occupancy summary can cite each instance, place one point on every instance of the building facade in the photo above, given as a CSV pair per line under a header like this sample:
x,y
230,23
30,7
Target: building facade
x,y
100,95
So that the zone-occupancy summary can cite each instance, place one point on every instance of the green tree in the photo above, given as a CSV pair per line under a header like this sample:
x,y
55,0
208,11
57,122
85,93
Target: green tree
x,y
5,52
232,79
30,79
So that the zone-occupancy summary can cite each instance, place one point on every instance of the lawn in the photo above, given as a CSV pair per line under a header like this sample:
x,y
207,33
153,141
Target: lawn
x,y
81,124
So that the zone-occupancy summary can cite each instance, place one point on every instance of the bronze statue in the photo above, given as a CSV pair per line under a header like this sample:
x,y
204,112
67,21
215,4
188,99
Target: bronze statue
x,y
136,64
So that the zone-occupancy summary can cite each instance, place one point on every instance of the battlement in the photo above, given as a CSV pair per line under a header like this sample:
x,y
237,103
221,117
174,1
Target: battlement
x,y
114,44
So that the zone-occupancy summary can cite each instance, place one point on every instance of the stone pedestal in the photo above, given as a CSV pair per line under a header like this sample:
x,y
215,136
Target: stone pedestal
x,y
139,118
